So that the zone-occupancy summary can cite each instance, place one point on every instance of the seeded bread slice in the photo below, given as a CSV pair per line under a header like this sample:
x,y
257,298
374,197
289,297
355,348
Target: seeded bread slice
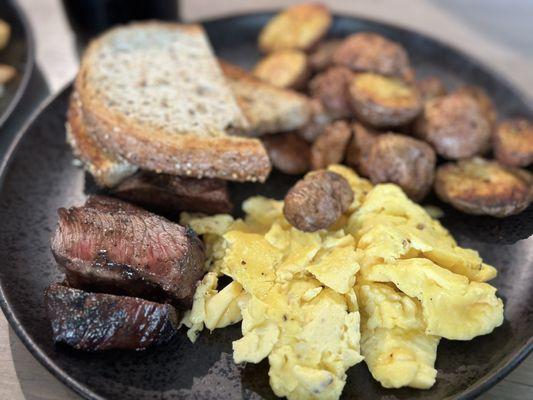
x,y
159,99
267,108
107,169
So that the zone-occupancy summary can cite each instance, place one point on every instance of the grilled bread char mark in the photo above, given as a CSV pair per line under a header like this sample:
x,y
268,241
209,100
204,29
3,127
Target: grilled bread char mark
x,y
97,321
112,246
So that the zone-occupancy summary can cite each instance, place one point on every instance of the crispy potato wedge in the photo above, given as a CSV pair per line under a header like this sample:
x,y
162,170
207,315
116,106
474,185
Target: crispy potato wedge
x,y
7,72
330,146
288,152
431,87
5,33
480,95
370,52
513,142
382,101
359,147
483,187
317,123
454,126
331,88
403,160
298,27
322,57
285,69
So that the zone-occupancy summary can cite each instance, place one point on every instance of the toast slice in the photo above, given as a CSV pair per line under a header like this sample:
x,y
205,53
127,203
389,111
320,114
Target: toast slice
x,y
107,169
159,99
267,108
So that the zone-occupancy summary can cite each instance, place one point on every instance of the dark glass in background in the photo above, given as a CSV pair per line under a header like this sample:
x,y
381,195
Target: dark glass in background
x,y
88,18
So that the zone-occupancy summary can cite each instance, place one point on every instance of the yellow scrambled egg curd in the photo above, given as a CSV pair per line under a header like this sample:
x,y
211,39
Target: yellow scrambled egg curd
x,y
299,294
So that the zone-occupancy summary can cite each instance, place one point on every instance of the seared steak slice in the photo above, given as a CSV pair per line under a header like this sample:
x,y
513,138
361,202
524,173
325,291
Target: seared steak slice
x,y
96,321
109,245
170,193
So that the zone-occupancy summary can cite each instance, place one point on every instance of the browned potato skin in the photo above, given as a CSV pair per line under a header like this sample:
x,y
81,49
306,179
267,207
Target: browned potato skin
x,y
359,147
483,100
297,27
374,108
454,126
331,88
431,87
285,69
330,146
370,52
317,201
288,152
322,57
513,142
402,160
318,122
482,187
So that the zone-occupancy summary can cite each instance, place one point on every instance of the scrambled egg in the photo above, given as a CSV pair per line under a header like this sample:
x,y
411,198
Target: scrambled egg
x,y
385,282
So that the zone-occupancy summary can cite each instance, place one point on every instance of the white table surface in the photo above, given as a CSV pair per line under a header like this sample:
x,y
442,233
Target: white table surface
x,y
497,32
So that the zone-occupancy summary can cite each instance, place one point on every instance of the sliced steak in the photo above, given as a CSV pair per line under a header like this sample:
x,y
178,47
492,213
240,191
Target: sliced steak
x,y
96,321
170,193
111,246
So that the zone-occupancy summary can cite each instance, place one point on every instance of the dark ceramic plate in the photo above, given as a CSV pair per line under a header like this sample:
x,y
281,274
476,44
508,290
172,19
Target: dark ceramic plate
x,y
18,53
39,176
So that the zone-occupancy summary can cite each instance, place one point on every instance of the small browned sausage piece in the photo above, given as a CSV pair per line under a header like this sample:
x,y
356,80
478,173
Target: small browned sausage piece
x,y
330,146
513,142
454,126
322,56
370,52
483,100
359,147
431,87
288,152
478,186
316,125
331,88
402,160
317,201
382,101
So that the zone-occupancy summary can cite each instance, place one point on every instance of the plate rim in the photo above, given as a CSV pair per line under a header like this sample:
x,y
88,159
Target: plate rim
x,y
28,67
487,381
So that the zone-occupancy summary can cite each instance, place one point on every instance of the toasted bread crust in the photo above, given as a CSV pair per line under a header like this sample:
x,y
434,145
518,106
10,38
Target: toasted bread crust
x,y
213,155
478,186
107,169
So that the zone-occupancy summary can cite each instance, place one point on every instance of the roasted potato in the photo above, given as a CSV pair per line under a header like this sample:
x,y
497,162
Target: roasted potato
x,y
402,160
7,72
298,27
359,148
317,123
284,68
479,186
317,201
322,57
330,146
331,88
454,126
513,142
483,100
431,87
288,152
382,101
5,33
370,52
